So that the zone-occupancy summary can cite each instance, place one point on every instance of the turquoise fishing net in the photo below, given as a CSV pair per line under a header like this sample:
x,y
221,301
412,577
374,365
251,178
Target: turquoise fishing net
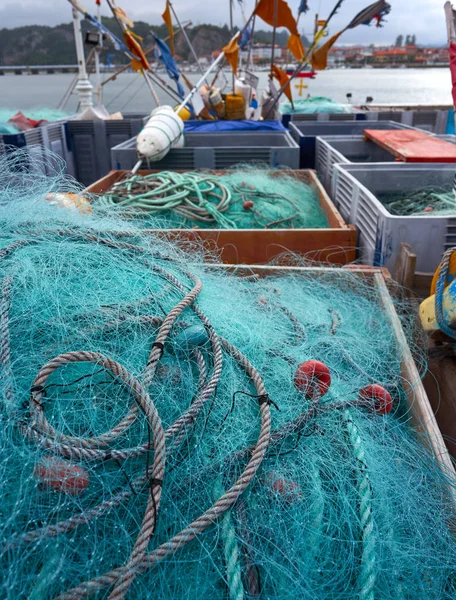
x,y
315,104
428,201
245,198
340,502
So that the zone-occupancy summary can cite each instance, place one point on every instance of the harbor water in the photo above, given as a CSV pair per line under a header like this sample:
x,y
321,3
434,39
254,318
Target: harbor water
x,y
130,93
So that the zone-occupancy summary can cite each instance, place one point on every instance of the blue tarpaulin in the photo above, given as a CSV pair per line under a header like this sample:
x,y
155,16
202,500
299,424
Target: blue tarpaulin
x,y
234,126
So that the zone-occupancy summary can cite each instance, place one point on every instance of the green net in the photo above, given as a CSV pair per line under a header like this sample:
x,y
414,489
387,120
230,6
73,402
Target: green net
x,y
154,442
316,104
431,201
245,198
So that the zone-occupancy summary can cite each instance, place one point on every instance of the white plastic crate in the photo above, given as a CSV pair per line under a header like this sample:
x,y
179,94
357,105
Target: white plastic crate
x,y
432,120
381,233
46,137
333,150
305,134
218,150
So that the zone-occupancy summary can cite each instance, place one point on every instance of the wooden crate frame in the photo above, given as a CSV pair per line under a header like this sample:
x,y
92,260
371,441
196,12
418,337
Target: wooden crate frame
x,y
421,414
336,244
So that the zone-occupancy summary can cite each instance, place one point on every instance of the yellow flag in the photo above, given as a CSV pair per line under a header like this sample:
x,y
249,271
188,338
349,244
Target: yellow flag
x,y
320,56
283,79
295,47
122,16
231,52
166,16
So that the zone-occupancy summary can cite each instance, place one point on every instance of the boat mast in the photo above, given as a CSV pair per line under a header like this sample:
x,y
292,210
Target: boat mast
x,y
83,87
98,50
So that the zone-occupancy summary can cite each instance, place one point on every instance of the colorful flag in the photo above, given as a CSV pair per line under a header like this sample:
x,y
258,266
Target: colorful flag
x,y
139,61
166,16
453,70
373,11
246,38
295,46
320,56
231,52
163,53
284,17
283,79
303,7
122,16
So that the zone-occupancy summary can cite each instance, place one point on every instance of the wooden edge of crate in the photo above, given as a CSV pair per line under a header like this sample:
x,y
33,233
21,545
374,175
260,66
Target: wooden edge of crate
x,y
306,175
421,413
259,246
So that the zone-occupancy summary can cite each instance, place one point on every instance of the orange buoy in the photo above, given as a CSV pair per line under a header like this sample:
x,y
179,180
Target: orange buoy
x,y
379,398
286,489
311,378
61,476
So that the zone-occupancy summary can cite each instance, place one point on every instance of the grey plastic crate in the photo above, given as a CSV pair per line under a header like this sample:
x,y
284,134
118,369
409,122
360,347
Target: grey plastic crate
x,y
380,233
305,134
332,150
431,120
218,150
91,143
47,137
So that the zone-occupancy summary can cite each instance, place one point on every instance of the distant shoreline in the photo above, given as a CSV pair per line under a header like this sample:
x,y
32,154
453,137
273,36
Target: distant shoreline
x,y
25,70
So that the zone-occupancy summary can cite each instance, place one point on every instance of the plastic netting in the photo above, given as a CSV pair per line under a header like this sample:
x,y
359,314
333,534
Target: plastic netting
x,y
431,201
153,442
244,198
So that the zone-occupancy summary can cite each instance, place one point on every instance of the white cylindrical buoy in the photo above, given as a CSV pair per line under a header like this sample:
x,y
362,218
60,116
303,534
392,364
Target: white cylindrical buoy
x,y
245,90
163,131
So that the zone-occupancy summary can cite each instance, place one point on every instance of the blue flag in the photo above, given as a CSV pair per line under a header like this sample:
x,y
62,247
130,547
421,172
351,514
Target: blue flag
x,y
163,53
303,7
245,38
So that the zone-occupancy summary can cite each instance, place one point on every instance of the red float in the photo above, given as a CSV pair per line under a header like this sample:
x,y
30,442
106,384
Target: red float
x,y
61,476
313,379
248,205
377,396
288,491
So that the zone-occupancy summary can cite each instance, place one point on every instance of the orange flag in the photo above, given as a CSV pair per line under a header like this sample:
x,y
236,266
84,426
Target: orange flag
x,y
295,47
283,79
320,56
284,18
231,52
139,63
166,16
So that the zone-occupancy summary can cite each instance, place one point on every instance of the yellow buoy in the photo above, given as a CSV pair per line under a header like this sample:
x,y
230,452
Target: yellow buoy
x,y
184,113
427,310
234,107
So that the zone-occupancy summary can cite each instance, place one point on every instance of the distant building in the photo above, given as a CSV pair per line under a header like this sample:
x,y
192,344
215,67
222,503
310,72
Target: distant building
x,y
261,52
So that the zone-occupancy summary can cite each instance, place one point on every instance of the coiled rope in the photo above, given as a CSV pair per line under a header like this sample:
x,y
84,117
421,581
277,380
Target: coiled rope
x,y
193,196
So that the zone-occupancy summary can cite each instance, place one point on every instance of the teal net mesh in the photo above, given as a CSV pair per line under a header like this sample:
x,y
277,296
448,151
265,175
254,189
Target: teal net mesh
x,y
154,443
245,198
428,201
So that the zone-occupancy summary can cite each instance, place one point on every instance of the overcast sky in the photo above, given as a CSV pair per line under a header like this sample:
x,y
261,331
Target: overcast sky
x,y
424,18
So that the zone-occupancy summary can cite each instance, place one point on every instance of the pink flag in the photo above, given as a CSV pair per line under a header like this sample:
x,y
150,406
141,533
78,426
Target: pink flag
x,y
453,70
